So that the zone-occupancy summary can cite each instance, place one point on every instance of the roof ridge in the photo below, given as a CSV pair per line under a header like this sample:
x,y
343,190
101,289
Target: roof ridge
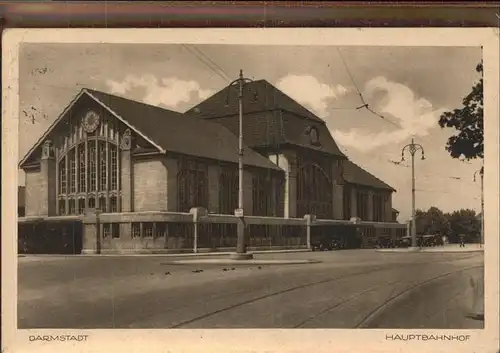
x,y
296,102
281,100
134,100
366,171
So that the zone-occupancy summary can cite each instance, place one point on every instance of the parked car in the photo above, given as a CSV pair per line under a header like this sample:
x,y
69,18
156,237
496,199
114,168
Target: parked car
x,y
326,244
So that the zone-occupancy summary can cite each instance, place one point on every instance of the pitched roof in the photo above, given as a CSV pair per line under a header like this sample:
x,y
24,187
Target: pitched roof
x,y
295,132
259,95
270,117
177,132
354,174
273,128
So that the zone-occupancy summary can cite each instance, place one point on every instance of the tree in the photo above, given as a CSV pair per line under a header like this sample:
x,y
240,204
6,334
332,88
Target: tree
x,y
464,221
468,121
432,221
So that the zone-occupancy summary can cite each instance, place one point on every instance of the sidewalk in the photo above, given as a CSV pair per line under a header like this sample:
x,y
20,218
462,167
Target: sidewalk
x,y
200,254
448,248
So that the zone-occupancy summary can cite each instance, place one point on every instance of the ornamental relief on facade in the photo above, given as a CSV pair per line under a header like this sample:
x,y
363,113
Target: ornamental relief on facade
x,y
126,141
47,150
87,127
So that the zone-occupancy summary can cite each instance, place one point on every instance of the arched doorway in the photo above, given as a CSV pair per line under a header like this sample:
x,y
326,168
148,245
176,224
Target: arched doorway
x,y
314,192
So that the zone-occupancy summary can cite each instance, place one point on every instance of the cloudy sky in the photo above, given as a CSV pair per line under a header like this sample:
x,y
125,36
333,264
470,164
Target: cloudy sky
x,y
410,86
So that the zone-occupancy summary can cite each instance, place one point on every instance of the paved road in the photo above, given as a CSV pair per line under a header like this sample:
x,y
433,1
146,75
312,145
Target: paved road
x,y
349,289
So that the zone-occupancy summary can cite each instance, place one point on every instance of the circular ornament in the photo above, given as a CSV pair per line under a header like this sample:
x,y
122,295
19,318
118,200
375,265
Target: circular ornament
x,y
91,121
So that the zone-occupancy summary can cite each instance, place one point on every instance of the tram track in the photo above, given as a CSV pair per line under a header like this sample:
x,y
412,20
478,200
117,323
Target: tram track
x,y
316,283
364,323
372,314
191,299
262,297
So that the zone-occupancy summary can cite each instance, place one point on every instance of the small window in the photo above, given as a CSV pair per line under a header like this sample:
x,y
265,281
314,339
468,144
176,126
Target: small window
x,y
161,230
81,206
91,203
136,230
148,230
106,230
62,207
72,207
113,205
102,204
115,230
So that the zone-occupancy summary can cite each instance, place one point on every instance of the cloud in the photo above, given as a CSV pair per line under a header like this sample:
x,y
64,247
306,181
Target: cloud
x,y
308,91
169,92
415,116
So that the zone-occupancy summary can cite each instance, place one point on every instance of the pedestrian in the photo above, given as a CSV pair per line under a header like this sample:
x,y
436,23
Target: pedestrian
x,y
462,240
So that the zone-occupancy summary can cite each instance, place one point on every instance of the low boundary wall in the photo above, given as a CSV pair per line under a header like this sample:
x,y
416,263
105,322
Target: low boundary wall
x,y
194,232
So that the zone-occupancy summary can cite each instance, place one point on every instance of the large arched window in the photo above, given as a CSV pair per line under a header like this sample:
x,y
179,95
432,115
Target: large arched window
x,y
228,190
314,192
192,184
88,176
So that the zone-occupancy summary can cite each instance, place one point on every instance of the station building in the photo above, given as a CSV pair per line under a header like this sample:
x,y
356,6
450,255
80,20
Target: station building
x,y
142,166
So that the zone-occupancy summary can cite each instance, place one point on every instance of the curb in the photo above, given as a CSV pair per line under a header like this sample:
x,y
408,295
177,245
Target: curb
x,y
400,250
453,251
132,254
240,262
421,251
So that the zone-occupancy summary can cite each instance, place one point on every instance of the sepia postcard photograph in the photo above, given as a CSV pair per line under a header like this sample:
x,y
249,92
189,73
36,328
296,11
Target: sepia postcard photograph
x,y
340,181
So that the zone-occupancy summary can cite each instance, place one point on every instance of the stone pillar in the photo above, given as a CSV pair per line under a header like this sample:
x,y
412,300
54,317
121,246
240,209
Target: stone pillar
x,y
338,201
309,222
247,193
213,188
370,206
48,180
125,231
354,202
338,190
89,234
126,172
279,192
172,169
289,165
388,208
279,185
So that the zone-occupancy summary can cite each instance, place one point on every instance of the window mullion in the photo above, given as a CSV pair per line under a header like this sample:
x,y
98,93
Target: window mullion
x,y
66,167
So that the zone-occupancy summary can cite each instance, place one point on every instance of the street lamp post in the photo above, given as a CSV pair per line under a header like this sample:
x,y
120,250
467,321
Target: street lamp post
x,y
413,148
481,175
241,252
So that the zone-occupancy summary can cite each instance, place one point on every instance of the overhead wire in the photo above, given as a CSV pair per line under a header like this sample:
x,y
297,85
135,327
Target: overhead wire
x,y
428,175
365,104
351,77
206,63
228,78
441,192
